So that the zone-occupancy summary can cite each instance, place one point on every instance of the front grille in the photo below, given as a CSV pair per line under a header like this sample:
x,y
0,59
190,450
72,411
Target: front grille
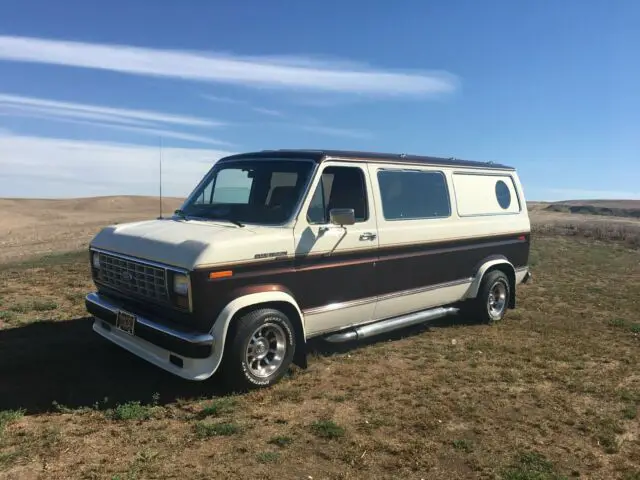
x,y
129,276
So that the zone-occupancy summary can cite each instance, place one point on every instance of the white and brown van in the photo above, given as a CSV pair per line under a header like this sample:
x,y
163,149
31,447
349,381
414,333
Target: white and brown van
x,y
275,247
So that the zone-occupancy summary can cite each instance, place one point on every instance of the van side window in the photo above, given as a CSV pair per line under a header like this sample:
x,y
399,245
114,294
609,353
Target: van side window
x,y
339,187
414,194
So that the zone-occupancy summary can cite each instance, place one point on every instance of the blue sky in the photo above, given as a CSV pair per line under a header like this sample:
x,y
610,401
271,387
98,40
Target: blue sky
x,y
89,89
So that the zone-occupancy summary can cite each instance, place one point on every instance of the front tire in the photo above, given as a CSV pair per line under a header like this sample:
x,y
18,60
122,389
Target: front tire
x,y
492,301
260,349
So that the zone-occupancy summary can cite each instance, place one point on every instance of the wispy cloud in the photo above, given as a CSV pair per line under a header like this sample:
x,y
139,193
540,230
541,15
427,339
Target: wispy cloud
x,y
152,132
268,111
98,112
56,167
215,98
234,101
144,122
275,72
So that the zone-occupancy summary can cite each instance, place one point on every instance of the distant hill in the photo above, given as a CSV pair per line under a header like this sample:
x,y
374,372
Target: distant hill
x,y
112,203
610,208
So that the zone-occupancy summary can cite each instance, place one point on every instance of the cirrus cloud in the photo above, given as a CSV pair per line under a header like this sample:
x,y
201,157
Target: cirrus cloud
x,y
275,72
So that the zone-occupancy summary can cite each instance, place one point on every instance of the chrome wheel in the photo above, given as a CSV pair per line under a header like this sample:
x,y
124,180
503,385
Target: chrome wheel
x,y
266,350
497,300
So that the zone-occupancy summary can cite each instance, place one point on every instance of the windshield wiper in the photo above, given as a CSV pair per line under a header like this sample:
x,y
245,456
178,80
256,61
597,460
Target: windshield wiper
x,y
182,214
224,219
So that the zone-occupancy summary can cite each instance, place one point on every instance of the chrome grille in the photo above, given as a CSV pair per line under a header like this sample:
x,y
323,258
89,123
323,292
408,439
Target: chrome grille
x,y
129,276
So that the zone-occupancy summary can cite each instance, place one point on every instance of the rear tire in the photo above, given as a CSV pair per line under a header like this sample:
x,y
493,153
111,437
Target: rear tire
x,y
492,301
260,350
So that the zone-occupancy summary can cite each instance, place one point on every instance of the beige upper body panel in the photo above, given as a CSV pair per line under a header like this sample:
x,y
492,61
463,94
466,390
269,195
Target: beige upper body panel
x,y
191,244
475,211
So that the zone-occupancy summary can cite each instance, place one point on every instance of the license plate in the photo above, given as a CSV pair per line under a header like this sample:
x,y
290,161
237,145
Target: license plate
x,y
126,322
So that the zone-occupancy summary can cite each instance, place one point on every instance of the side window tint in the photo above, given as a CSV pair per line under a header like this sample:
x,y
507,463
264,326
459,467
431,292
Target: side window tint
x,y
503,194
410,195
316,207
339,187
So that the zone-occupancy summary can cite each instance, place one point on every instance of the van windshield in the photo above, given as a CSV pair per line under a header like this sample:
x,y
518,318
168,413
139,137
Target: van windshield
x,y
251,191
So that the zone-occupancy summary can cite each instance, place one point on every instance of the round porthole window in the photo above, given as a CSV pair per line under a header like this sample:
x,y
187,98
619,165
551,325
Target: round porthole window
x,y
503,194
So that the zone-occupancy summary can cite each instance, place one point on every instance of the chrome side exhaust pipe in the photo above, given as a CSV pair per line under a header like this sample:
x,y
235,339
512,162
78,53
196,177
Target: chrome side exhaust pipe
x,y
385,326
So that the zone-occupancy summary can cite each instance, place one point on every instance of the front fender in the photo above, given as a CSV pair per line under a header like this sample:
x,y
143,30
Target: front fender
x,y
223,321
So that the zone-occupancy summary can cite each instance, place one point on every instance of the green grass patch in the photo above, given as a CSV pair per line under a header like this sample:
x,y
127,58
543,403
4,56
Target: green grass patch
x,y
631,475
206,430
218,407
7,315
327,429
617,322
9,416
8,458
531,466
629,395
608,443
130,411
38,305
268,457
635,328
463,445
281,441
75,297
630,412
44,305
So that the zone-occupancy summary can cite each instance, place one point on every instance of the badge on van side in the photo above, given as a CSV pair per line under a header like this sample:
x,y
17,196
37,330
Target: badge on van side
x,y
270,255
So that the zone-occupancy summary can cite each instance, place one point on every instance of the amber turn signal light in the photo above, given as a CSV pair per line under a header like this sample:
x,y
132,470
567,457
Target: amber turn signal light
x,y
222,274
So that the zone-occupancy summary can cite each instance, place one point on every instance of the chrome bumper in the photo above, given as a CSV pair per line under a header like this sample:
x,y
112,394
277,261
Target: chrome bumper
x,y
183,342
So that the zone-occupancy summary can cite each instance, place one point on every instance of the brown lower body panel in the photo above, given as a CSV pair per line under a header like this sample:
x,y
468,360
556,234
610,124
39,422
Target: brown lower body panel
x,y
316,281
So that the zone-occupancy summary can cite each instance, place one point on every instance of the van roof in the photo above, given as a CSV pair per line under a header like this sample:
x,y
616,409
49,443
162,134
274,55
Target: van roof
x,y
321,155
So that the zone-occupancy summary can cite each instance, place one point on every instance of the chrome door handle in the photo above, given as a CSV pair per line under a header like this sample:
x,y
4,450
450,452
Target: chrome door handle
x,y
367,236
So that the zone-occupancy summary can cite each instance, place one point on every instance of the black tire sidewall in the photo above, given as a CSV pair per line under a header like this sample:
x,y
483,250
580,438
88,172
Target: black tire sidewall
x,y
490,280
241,375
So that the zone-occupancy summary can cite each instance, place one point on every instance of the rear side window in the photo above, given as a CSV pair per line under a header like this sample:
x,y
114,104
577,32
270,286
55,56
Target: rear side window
x,y
413,194
485,194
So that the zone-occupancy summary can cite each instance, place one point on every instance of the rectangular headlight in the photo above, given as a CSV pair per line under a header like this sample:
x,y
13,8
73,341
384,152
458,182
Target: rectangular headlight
x,y
180,284
95,260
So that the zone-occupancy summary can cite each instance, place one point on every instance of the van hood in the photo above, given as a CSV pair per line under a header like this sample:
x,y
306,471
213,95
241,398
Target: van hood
x,y
190,244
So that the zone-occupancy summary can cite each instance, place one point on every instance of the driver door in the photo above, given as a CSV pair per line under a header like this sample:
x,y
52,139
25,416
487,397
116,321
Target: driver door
x,y
335,280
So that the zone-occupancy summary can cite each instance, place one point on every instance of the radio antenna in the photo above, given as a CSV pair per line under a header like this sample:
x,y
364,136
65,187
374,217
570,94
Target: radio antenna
x,y
160,177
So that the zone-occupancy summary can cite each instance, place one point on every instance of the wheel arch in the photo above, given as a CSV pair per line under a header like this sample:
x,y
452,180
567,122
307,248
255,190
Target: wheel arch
x,y
495,262
280,299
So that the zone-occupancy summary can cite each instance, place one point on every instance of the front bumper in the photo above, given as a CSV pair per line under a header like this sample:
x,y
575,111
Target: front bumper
x,y
185,353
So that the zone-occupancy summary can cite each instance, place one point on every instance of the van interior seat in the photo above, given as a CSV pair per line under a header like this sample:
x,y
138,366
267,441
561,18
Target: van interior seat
x,y
347,192
282,196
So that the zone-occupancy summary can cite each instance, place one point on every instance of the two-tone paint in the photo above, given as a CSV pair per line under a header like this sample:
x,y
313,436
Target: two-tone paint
x,y
324,279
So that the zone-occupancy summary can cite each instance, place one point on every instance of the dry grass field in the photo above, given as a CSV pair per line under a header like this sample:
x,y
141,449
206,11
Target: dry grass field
x,y
597,219
553,392
30,228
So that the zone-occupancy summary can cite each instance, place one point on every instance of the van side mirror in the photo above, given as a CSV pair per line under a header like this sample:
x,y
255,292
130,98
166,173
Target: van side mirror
x,y
342,216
